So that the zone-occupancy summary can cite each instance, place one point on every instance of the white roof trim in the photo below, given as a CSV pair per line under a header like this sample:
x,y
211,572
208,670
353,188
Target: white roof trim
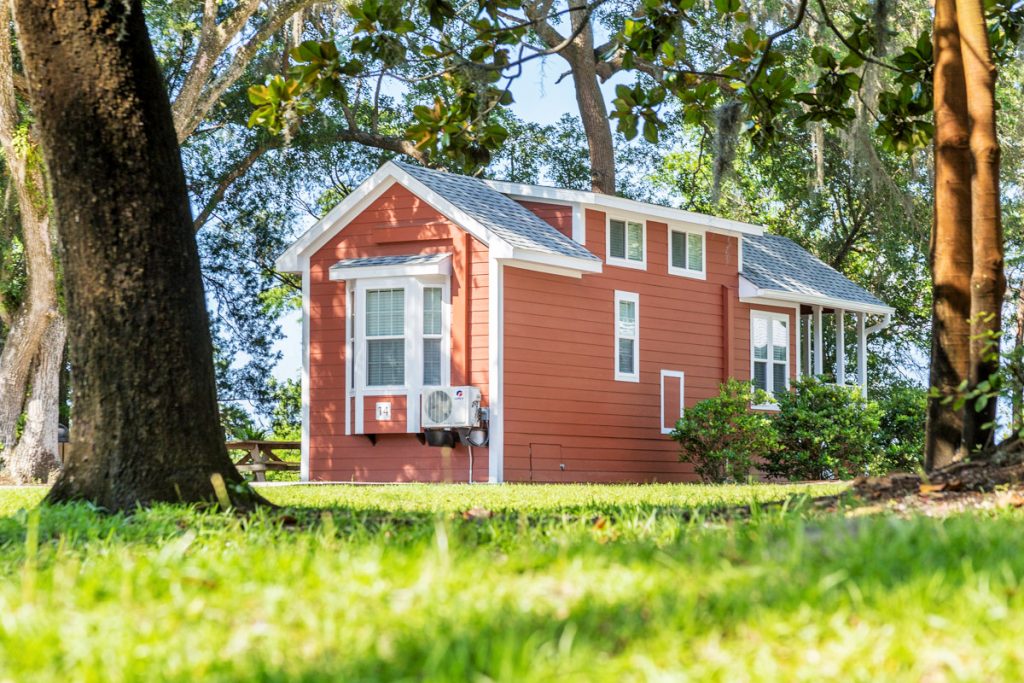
x,y
555,194
291,261
441,266
751,293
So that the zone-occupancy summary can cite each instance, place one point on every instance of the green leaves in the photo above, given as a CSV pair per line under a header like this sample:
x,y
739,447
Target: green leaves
x,y
637,104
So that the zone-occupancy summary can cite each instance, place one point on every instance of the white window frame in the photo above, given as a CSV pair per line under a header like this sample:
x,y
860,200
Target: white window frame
x,y
635,299
413,334
625,262
769,374
702,274
682,397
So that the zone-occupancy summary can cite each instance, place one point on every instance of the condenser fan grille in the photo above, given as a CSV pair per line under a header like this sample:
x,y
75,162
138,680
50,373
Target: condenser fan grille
x,y
439,406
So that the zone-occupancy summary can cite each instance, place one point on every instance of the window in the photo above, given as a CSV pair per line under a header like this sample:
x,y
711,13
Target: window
x,y
686,253
385,337
627,337
769,351
401,330
626,243
432,332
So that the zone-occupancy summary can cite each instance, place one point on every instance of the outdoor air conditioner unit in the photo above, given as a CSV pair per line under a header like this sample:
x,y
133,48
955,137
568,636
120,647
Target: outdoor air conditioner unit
x,y
450,408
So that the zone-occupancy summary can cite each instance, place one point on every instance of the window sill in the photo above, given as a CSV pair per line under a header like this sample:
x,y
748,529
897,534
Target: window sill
x,y
626,263
627,378
692,274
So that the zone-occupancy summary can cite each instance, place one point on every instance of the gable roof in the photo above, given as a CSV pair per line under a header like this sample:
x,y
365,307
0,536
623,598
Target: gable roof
x,y
508,219
777,264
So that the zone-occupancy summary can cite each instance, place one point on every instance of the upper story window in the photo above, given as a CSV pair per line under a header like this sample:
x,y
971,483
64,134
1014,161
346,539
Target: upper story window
x,y
627,243
769,351
401,333
686,253
627,336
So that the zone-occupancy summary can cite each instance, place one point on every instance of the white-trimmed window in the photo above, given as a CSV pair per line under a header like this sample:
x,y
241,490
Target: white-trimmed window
x,y
627,243
433,332
686,253
769,351
401,333
385,337
627,336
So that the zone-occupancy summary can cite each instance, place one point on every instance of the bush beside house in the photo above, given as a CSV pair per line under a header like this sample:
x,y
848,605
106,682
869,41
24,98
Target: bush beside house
x,y
722,437
820,431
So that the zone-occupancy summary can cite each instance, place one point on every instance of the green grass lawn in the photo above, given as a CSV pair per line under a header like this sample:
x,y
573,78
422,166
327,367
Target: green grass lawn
x,y
562,583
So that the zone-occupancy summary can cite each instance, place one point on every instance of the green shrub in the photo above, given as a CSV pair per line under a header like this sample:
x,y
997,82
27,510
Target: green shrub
x,y
721,436
901,428
823,431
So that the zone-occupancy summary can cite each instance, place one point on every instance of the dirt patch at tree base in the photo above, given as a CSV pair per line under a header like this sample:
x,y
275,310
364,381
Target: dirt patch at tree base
x,y
974,485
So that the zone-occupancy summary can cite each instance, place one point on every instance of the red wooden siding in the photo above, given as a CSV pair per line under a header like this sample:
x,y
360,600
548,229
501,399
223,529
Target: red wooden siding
x,y
397,223
566,418
557,215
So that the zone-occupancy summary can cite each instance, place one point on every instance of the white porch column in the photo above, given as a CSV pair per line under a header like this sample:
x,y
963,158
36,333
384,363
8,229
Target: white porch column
x,y
862,355
840,346
805,345
818,368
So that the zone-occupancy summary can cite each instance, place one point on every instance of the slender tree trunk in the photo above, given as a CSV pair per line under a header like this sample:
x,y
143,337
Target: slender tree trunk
x,y
1017,419
35,456
593,110
145,410
951,255
21,348
988,282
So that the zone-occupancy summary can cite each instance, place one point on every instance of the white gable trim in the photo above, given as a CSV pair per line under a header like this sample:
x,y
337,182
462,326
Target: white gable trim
x,y
649,211
374,186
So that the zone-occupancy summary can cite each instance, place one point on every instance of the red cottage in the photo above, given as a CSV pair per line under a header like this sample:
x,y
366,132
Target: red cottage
x,y
584,323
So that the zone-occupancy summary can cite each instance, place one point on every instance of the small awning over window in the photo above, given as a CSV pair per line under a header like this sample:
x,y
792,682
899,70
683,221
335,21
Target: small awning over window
x,y
392,266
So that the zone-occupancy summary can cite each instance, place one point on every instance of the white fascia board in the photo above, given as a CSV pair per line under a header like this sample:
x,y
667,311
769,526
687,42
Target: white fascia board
x,y
439,267
570,263
367,192
649,211
750,293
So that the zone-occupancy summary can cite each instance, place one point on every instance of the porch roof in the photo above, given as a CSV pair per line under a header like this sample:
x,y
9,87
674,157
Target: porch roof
x,y
778,265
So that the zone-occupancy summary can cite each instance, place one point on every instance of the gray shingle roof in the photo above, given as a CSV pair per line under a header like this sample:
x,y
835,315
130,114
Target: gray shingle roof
x,y
506,218
778,263
412,259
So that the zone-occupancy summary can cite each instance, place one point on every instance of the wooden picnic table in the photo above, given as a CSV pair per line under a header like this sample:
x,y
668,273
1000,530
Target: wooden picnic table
x,y
260,458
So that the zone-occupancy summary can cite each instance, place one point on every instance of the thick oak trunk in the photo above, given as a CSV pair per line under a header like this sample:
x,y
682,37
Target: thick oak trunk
x,y
145,411
988,282
951,255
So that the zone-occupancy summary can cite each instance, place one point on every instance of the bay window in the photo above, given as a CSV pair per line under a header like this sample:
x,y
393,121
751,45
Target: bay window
x,y
401,334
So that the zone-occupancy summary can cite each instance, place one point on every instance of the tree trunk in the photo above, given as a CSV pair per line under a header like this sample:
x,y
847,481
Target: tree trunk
x,y
593,110
988,282
35,456
1017,418
21,348
145,409
950,243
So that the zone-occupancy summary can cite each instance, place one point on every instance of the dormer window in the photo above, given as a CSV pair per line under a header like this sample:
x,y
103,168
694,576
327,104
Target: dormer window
x,y
627,243
686,253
